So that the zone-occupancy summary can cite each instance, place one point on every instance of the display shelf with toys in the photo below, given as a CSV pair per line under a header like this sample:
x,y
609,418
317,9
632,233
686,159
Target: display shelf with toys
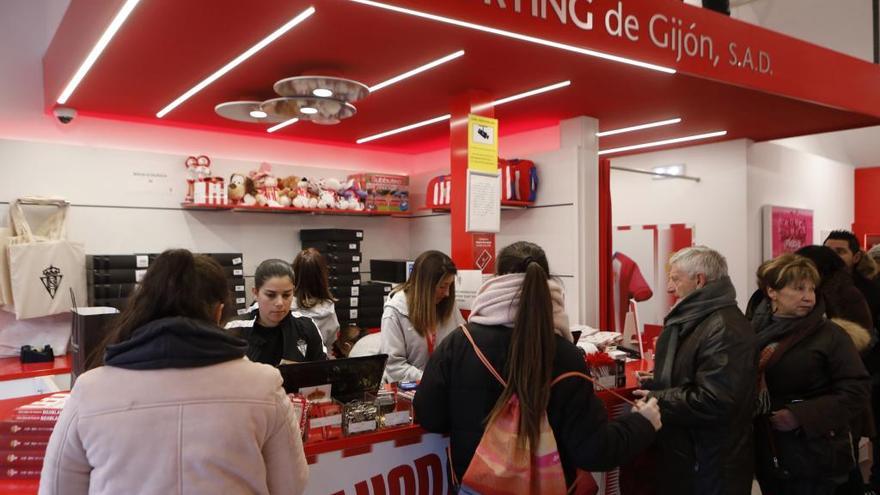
x,y
261,191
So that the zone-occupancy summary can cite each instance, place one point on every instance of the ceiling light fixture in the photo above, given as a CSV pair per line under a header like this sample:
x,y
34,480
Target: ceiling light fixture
x,y
258,114
99,47
322,92
308,110
237,60
517,36
404,129
533,92
417,70
639,127
282,125
664,142
502,101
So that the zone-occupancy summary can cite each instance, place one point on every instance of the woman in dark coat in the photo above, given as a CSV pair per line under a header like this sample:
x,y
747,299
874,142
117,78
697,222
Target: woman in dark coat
x,y
811,384
457,394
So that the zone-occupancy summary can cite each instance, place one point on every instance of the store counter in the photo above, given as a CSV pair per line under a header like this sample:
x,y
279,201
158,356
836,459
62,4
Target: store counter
x,y
395,461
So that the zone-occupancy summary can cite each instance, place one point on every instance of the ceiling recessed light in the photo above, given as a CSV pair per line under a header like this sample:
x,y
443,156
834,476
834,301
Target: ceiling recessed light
x,y
282,125
99,47
258,114
417,70
639,127
517,36
308,110
236,61
664,142
322,93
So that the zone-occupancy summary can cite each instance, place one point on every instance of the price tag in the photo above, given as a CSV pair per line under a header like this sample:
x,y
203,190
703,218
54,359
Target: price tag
x,y
359,234
239,300
236,261
354,301
355,258
355,269
238,273
353,314
239,288
356,281
361,426
142,261
397,418
355,291
335,420
352,246
139,275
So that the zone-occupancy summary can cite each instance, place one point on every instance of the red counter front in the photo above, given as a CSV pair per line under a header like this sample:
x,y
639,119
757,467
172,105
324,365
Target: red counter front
x,y
397,461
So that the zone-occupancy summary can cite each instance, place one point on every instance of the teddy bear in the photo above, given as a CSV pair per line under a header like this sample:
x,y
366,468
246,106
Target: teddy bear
x,y
288,186
327,192
266,185
304,197
198,170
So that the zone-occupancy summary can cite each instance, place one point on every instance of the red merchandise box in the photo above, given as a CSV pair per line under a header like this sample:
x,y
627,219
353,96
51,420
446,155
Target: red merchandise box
x,y
382,192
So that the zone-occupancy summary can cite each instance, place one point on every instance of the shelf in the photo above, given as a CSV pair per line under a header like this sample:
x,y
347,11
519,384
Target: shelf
x,y
13,369
505,205
290,210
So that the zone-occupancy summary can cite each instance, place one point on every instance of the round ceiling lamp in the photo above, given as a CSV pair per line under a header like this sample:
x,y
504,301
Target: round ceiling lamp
x,y
245,111
324,111
321,99
322,86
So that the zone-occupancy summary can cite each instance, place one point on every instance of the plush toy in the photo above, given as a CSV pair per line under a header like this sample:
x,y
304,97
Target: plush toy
x,y
287,193
327,194
304,197
250,193
236,190
348,197
266,185
199,170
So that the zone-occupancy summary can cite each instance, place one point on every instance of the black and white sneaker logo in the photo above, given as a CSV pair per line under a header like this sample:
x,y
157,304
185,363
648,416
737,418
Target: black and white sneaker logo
x,y
52,280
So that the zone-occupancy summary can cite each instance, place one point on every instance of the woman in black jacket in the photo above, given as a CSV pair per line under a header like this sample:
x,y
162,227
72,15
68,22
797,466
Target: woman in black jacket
x,y
811,384
457,395
274,334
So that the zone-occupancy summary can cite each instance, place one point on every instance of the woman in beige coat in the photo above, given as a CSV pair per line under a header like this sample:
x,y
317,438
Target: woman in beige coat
x,y
176,408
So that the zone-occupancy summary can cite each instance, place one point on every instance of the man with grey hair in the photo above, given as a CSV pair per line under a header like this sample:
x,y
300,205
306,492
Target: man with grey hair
x,y
704,379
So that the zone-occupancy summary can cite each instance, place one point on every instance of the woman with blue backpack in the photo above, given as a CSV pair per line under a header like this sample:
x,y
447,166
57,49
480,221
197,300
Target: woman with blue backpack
x,y
512,394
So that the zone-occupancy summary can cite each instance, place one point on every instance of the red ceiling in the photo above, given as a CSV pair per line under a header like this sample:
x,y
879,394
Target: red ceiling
x,y
167,46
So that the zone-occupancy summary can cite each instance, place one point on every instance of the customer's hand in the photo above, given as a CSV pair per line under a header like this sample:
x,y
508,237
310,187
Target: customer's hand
x,y
641,394
784,420
650,410
644,376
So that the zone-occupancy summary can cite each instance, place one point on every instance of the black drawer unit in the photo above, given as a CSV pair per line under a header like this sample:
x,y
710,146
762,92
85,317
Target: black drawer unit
x,y
355,235
324,247
389,270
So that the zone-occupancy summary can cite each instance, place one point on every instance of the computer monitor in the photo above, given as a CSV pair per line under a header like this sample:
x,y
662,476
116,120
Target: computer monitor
x,y
350,378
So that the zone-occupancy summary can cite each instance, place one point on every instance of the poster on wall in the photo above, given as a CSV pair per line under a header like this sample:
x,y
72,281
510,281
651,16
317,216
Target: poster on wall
x,y
786,230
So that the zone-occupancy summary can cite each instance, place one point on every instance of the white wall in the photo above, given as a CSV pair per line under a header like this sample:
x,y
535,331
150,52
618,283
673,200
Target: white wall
x,y
715,207
781,176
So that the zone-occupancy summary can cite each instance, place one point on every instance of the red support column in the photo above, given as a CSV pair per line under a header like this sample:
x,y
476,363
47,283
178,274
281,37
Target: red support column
x,y
466,247
606,248
867,213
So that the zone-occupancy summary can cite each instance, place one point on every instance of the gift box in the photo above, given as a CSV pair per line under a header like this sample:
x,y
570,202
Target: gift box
x,y
325,421
359,417
382,192
606,371
301,409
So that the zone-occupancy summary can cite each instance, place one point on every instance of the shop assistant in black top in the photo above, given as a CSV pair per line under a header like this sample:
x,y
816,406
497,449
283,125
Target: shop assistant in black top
x,y
294,339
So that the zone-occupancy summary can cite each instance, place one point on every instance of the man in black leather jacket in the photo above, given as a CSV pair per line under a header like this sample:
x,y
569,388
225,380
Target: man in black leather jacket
x,y
704,379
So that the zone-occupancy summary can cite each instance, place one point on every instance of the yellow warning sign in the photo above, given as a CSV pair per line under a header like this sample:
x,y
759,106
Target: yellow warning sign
x,y
482,144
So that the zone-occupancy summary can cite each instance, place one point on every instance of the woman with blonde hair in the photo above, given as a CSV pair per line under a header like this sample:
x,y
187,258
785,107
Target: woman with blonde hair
x,y
811,383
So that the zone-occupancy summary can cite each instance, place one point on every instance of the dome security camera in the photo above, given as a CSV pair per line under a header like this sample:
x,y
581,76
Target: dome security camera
x,y
65,115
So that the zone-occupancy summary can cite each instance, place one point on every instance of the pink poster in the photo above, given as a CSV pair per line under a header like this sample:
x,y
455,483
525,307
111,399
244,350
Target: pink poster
x,y
786,230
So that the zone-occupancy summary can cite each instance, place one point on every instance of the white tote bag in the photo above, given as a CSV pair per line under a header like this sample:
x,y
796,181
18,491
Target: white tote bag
x,y
43,265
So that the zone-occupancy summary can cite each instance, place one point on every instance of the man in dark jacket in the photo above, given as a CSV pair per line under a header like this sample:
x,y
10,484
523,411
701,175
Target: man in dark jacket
x,y
704,378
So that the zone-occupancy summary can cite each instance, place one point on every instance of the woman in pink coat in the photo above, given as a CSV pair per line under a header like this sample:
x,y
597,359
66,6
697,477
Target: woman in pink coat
x,y
176,408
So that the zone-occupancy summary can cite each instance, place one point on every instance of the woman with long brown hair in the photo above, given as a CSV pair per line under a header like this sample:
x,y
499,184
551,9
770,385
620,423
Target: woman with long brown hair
x,y
311,294
518,322
176,408
419,315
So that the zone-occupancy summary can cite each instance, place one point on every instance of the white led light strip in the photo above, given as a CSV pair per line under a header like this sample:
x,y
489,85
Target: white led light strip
x,y
417,70
640,127
404,129
237,60
664,142
282,125
99,47
496,103
517,36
